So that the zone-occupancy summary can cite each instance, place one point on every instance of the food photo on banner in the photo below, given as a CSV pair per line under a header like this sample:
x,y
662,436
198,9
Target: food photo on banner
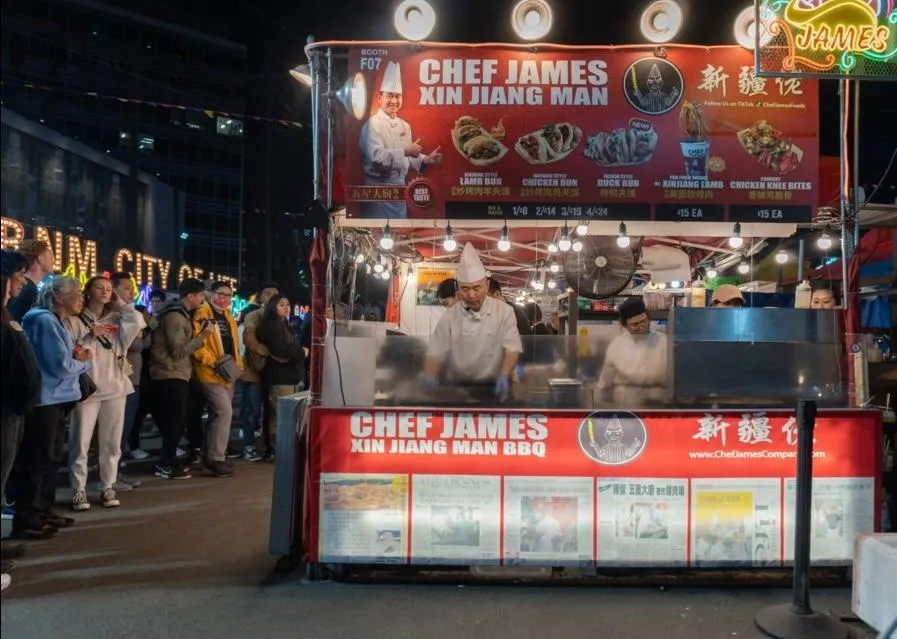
x,y
566,488
615,133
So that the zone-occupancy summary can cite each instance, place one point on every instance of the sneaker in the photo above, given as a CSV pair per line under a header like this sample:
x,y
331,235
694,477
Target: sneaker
x,y
79,501
181,453
195,458
268,456
219,469
134,483
8,512
120,486
58,521
172,472
250,455
139,454
5,580
110,499
233,453
34,534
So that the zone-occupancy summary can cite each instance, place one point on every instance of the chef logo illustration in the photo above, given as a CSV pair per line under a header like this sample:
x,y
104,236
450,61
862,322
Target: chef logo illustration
x,y
612,439
653,85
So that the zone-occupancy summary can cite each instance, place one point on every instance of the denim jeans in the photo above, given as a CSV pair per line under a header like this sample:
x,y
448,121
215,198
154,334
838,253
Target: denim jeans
x,y
131,405
250,406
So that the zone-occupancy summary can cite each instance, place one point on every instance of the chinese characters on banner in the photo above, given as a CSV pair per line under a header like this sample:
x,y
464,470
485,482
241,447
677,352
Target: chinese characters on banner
x,y
480,132
573,489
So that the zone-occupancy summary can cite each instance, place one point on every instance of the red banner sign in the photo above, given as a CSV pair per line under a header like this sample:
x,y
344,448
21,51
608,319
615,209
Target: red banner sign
x,y
604,133
430,480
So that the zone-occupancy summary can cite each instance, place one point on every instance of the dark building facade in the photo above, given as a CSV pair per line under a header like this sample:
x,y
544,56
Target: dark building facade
x,y
146,92
75,191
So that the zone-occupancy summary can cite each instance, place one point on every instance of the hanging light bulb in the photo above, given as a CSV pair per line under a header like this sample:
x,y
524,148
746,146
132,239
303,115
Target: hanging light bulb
x,y
554,268
736,241
623,239
825,241
378,268
744,268
576,246
359,258
385,274
582,228
552,284
553,248
711,273
367,268
675,284
504,241
782,256
449,243
564,244
386,240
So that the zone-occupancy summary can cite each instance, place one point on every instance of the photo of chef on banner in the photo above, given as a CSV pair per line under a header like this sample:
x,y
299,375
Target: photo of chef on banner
x,y
389,150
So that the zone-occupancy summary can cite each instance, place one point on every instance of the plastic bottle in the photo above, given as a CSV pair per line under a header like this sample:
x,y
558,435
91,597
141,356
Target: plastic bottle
x,y
802,295
698,294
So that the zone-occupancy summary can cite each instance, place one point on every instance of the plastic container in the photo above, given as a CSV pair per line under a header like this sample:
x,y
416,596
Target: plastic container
x,y
802,295
698,297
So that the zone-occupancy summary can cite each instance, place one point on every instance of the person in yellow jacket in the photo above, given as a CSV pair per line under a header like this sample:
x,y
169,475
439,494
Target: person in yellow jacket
x,y
216,366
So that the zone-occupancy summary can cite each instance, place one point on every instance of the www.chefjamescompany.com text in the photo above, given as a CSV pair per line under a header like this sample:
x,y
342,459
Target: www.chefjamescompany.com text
x,y
413,433
750,454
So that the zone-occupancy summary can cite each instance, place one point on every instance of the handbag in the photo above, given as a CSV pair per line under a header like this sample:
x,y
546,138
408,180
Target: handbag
x,y
87,385
227,368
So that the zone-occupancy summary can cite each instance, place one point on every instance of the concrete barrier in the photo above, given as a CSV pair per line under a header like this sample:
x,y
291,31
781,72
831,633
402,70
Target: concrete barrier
x,y
875,579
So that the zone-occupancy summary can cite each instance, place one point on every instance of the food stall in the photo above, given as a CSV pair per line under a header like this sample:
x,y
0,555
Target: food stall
x,y
563,166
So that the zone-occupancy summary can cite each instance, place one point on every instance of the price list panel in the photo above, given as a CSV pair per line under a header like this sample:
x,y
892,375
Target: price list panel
x,y
548,211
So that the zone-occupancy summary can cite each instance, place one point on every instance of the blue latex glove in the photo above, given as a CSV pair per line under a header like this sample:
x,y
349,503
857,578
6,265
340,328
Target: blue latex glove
x,y
521,373
502,387
428,382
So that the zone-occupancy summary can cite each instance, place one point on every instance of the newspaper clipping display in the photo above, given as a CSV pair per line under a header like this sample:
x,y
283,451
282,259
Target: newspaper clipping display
x,y
642,521
548,521
364,516
456,517
840,510
735,522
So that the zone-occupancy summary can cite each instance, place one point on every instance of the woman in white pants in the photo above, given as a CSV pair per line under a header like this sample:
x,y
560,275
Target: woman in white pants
x,y
106,326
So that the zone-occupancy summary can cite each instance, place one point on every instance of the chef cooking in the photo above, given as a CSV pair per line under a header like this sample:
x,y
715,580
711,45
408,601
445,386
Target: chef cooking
x,y
476,342
635,366
388,149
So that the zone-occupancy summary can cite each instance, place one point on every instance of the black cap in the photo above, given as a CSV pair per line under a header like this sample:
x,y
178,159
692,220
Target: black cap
x,y
447,289
631,307
190,286
12,262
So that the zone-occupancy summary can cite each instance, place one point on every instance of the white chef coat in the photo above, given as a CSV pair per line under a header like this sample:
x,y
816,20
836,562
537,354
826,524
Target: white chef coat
x,y
635,367
383,140
473,344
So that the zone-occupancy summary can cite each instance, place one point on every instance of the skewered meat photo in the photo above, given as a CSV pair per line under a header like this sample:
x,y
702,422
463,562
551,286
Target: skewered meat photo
x,y
770,147
549,144
622,147
475,143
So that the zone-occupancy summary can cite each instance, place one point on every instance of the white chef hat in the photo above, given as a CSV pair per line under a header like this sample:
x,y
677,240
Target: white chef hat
x,y
392,79
471,268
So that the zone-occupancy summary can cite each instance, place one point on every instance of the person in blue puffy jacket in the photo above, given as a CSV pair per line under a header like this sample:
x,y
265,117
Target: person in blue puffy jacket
x,y
43,442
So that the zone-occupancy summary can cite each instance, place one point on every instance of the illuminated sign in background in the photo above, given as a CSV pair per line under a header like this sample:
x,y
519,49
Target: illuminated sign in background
x,y
827,38
78,258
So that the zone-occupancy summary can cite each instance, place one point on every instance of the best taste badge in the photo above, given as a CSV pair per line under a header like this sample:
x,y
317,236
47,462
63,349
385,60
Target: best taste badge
x,y
420,193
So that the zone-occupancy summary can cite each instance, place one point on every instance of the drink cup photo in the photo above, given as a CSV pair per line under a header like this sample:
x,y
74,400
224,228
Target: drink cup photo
x,y
695,154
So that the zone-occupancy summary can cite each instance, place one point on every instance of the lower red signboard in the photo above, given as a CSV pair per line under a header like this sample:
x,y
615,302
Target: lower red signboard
x,y
572,488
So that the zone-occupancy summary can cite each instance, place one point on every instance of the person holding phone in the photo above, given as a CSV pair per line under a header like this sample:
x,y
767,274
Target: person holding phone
x,y
107,326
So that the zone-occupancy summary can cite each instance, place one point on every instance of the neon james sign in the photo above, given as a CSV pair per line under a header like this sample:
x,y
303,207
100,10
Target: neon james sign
x,y
829,37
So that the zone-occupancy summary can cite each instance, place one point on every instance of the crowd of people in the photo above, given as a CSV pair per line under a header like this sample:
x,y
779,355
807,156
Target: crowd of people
x,y
89,364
